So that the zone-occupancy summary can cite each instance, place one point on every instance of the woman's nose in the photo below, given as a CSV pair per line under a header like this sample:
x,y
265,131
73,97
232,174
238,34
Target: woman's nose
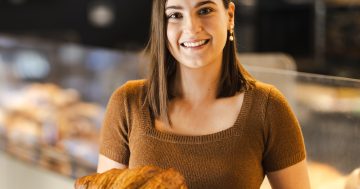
x,y
192,25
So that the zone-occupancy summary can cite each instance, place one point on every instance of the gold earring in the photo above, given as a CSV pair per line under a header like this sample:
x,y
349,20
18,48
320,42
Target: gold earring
x,y
231,37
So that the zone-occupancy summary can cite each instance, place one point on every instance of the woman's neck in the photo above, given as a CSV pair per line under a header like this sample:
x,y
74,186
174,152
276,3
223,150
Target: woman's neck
x,y
197,86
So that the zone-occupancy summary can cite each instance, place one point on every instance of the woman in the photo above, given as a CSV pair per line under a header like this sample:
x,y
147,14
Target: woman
x,y
200,112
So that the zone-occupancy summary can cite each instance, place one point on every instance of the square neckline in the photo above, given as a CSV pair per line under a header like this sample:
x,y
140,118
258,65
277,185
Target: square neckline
x,y
148,122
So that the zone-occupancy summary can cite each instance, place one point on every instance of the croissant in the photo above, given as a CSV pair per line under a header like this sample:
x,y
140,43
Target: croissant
x,y
147,177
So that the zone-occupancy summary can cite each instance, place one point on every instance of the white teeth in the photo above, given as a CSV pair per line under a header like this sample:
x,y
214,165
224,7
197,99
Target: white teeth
x,y
196,44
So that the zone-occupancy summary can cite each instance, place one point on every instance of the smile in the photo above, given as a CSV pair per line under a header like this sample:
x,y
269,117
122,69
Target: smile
x,y
195,44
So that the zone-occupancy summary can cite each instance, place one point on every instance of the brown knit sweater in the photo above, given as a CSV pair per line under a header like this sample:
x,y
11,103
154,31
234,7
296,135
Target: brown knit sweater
x,y
265,137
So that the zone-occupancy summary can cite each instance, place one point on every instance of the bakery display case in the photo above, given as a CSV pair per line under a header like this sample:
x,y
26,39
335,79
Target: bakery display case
x,y
52,102
53,97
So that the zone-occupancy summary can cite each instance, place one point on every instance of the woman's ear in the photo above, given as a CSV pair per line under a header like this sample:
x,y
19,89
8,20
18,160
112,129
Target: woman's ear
x,y
231,13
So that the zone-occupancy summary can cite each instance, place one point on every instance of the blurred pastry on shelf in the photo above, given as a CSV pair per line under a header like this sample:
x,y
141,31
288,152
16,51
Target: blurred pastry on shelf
x,y
42,120
329,99
81,151
55,160
22,130
80,120
49,94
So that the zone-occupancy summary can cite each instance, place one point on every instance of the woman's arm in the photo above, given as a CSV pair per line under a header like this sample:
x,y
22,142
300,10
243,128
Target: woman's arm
x,y
107,164
113,145
293,177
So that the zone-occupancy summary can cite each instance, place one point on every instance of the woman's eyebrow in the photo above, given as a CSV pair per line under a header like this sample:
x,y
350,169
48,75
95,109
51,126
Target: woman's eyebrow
x,y
197,5
204,3
173,7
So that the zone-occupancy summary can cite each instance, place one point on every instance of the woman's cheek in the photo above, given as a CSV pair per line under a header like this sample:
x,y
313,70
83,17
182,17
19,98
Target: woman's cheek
x,y
172,36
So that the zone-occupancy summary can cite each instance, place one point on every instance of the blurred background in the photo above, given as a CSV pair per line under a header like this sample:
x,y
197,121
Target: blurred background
x,y
60,60
322,35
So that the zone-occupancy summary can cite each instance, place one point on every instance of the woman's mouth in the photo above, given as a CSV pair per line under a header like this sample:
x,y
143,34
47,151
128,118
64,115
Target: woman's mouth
x,y
195,44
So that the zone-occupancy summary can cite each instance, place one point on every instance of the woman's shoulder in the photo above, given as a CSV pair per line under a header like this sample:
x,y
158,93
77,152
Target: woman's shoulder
x,y
266,93
130,89
270,96
131,86
264,89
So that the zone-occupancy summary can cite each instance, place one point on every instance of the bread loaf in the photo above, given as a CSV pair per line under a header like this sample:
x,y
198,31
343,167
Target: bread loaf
x,y
147,177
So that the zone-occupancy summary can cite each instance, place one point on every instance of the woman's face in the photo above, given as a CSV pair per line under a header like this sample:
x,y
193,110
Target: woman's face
x,y
197,30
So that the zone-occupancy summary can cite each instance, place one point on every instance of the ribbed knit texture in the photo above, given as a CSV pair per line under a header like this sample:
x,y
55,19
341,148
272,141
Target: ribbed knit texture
x,y
265,137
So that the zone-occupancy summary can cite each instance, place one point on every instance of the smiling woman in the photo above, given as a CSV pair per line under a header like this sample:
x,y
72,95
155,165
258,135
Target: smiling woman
x,y
194,39
199,111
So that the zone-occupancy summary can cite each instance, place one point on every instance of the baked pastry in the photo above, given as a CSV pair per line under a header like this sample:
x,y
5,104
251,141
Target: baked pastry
x,y
147,177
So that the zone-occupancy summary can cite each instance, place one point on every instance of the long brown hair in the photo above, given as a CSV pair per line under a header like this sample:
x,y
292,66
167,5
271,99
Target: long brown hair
x,y
163,66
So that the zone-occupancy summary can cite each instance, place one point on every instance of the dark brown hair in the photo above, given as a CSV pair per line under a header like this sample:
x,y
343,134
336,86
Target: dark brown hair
x,y
163,66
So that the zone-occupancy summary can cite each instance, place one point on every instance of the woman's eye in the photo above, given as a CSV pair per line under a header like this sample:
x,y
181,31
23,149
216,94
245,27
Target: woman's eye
x,y
205,11
174,16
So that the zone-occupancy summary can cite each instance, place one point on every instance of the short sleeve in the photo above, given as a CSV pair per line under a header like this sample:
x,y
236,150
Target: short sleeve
x,y
114,142
284,139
